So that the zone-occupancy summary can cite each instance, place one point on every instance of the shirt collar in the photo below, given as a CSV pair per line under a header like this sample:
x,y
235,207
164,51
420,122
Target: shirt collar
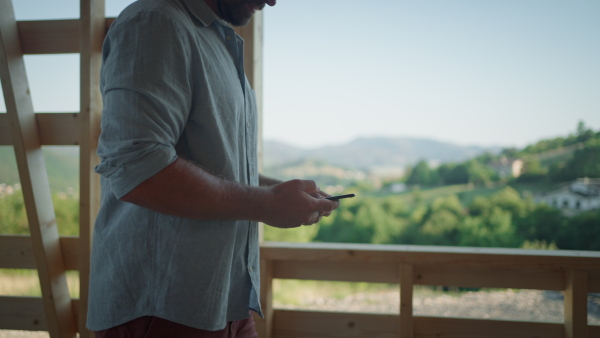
x,y
202,12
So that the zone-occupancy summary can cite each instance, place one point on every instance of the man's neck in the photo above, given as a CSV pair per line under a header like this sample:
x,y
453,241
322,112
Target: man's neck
x,y
213,4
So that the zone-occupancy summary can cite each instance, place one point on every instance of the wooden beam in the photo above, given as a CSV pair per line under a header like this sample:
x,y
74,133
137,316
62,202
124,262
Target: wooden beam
x,y
264,326
490,277
406,300
92,35
16,252
373,272
49,37
439,274
22,313
34,179
478,328
576,293
314,324
56,129
25,313
52,36
520,259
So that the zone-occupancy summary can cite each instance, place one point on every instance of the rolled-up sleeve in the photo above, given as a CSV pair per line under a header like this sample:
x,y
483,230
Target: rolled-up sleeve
x,y
147,99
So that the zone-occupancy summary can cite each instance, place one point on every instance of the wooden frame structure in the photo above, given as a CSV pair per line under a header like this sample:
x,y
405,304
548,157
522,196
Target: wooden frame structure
x,y
27,131
575,273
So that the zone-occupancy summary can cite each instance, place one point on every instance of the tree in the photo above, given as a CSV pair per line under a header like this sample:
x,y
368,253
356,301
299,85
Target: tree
x,y
422,174
453,173
585,162
583,133
532,171
478,173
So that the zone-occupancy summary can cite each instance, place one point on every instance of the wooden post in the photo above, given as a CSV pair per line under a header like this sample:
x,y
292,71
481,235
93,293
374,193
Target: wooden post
x,y
92,36
34,179
264,327
406,300
576,291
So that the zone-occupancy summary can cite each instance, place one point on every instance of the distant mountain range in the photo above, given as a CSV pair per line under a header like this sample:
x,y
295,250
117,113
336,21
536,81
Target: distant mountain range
x,y
375,152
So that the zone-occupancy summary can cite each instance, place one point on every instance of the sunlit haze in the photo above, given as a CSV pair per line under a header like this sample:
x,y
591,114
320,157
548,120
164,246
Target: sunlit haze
x,y
469,72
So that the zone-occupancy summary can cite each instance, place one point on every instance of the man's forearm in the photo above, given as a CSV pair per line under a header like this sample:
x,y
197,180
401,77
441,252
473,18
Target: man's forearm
x,y
265,181
185,190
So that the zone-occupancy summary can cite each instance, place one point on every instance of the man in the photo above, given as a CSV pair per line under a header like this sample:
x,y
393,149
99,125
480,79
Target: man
x,y
175,251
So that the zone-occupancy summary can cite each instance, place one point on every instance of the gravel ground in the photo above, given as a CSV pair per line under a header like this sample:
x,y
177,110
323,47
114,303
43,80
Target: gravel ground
x,y
525,305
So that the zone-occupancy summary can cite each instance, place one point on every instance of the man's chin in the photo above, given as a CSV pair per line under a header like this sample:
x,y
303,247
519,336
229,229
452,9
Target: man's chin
x,y
240,21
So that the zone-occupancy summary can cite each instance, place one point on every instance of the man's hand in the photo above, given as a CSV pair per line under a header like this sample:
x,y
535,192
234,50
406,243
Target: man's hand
x,y
295,203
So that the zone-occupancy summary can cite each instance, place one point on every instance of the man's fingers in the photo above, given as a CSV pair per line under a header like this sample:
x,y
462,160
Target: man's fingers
x,y
310,187
324,205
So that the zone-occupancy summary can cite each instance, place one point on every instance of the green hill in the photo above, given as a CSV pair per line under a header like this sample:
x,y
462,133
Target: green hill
x,y
62,165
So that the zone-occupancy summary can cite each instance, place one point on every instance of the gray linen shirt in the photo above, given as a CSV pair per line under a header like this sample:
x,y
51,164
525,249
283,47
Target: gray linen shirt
x,y
173,85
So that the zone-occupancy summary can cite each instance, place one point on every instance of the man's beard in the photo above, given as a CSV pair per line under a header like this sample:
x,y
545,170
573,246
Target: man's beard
x,y
239,13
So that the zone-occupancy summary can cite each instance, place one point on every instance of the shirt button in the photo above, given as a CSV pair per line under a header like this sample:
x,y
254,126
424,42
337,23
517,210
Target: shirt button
x,y
228,37
250,269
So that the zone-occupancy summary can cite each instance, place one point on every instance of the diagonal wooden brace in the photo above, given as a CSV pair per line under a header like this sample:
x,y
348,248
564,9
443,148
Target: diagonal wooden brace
x,y
34,179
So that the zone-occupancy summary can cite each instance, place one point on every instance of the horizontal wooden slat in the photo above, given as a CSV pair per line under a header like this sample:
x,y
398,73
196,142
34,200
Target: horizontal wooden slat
x,y
22,313
431,255
25,313
594,281
51,36
483,277
337,271
429,327
55,129
16,252
305,324
58,128
424,275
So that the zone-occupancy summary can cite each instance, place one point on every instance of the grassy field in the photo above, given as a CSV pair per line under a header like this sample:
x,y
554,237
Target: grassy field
x,y
17,282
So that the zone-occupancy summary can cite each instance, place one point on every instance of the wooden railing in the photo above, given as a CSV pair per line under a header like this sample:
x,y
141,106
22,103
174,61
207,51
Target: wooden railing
x,y
575,273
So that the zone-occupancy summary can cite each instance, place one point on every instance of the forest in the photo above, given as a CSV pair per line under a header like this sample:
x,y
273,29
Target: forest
x,y
485,209
548,161
503,219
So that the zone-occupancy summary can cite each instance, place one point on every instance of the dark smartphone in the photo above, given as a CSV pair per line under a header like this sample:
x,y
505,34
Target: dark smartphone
x,y
339,197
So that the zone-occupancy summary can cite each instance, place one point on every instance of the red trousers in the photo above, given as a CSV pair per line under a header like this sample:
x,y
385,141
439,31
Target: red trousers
x,y
154,327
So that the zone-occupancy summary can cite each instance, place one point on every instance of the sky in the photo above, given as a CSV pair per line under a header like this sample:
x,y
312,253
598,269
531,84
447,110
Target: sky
x,y
469,72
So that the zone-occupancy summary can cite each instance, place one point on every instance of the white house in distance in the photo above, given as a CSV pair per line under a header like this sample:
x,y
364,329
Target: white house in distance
x,y
580,195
